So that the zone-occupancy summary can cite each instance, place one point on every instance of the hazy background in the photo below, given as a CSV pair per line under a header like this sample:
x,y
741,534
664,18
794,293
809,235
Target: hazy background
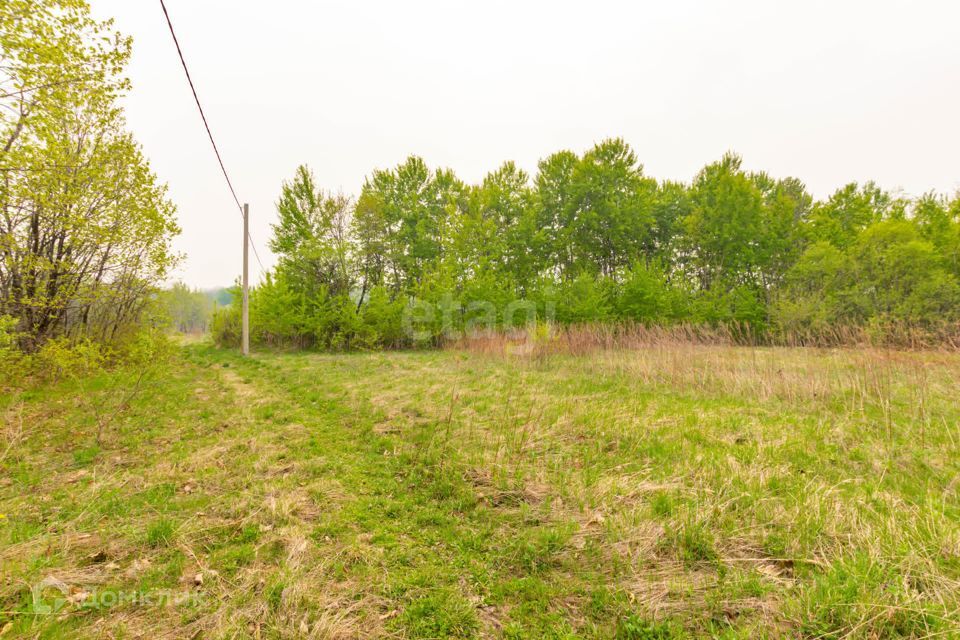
x,y
827,91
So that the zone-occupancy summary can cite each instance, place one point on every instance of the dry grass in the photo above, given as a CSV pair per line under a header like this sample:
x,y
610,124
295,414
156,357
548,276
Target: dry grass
x,y
582,339
671,488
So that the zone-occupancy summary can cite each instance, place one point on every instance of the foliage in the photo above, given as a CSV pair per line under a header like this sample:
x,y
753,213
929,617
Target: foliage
x,y
422,257
9,354
888,273
64,359
60,359
188,310
86,231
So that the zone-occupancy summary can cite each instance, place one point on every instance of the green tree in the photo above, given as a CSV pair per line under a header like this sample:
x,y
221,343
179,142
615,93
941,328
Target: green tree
x,y
86,228
850,210
724,235
938,221
189,310
595,213
552,201
670,208
901,275
584,299
403,223
786,207
311,237
819,291
501,224
646,296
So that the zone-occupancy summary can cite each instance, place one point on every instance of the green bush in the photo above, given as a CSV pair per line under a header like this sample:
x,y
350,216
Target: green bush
x,y
646,297
9,354
225,327
61,359
382,319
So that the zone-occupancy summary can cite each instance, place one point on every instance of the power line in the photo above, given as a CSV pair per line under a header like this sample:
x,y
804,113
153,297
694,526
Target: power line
x,y
209,133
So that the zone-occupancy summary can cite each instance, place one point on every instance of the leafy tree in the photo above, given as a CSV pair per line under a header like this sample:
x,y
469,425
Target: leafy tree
x,y
592,239
786,207
403,223
311,237
901,274
670,208
724,233
584,299
552,200
938,221
86,229
646,296
850,210
383,319
189,310
498,228
819,291
608,219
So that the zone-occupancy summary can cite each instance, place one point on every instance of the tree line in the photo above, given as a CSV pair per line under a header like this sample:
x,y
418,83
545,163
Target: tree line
x,y
591,238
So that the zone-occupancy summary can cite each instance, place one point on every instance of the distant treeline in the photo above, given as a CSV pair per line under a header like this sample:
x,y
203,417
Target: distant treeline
x,y
590,238
190,310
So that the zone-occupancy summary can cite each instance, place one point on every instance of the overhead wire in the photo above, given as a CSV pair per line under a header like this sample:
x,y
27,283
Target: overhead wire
x,y
206,125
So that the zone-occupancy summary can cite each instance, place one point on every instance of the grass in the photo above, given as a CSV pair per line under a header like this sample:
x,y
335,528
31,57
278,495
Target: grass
x,y
669,492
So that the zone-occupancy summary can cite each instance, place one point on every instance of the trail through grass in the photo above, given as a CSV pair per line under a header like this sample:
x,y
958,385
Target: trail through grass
x,y
667,493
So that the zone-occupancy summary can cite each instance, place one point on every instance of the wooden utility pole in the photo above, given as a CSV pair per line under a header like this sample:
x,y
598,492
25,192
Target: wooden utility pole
x,y
245,319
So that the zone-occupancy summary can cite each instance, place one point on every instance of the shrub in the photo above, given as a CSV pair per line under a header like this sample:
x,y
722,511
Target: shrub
x,y
61,359
225,327
9,355
646,297
383,318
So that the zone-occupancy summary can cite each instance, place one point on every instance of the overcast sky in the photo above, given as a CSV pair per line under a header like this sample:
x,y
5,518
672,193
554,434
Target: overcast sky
x,y
830,92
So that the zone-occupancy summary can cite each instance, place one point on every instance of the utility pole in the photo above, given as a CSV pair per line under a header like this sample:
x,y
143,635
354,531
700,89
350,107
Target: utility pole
x,y
245,320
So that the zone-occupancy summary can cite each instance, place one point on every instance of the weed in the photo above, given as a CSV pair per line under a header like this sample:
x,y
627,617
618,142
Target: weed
x,y
440,614
682,489
161,533
637,628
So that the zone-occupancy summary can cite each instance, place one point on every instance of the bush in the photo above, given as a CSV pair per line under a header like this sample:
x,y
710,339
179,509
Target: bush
x,y
60,359
584,299
9,355
646,297
383,318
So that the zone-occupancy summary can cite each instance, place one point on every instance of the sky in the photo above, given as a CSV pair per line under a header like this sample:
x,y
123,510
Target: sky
x,y
829,92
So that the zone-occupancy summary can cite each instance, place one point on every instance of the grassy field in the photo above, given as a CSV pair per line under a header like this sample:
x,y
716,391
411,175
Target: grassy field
x,y
678,491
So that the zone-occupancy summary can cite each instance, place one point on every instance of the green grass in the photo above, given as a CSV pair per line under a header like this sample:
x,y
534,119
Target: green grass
x,y
674,492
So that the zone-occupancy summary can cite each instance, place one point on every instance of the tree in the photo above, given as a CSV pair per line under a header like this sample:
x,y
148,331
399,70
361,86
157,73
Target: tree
x,y
938,221
786,207
85,230
594,214
495,232
850,210
311,237
593,239
609,214
189,310
403,223
724,233
583,299
646,296
819,291
552,201
901,274
670,208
